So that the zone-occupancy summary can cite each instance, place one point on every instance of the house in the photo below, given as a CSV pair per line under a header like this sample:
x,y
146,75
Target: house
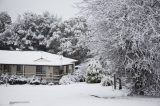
x,y
28,63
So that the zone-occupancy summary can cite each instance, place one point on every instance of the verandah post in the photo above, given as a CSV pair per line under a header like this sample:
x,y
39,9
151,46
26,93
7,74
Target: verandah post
x,y
23,71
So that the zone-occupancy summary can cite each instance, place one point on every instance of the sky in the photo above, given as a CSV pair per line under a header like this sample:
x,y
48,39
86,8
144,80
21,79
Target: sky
x,y
62,8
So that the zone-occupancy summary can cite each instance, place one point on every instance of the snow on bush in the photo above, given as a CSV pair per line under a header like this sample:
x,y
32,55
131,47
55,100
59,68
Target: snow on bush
x,y
93,76
4,77
14,79
78,75
94,72
68,79
1,82
43,82
107,81
19,79
35,80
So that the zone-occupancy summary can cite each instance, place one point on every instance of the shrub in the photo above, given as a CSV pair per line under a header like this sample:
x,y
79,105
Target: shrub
x,y
3,77
93,76
68,79
14,79
1,82
79,75
21,80
94,72
143,79
51,83
43,82
35,80
106,81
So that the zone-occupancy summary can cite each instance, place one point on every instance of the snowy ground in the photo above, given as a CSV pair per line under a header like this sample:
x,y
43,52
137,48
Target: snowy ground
x,y
80,94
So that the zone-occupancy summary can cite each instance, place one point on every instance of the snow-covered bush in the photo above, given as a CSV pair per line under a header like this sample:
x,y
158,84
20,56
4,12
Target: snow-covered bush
x,y
93,76
3,77
1,82
79,75
51,83
43,82
152,90
68,79
143,79
21,80
14,79
106,81
94,72
34,80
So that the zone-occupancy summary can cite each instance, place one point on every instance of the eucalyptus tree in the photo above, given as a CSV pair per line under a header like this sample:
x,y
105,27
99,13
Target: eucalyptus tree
x,y
127,33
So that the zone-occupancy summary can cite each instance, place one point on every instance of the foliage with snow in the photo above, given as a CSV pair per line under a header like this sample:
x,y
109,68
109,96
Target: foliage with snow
x,y
79,75
5,20
126,33
68,79
34,80
94,72
69,38
14,79
45,32
107,81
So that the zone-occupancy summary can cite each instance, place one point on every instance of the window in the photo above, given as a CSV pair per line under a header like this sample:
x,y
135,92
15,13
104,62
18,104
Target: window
x,y
56,70
19,69
7,69
61,69
40,70
1,69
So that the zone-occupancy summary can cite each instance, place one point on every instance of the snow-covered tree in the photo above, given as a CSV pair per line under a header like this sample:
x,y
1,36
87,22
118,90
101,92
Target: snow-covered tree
x,y
5,31
126,33
32,31
94,72
48,33
5,20
69,38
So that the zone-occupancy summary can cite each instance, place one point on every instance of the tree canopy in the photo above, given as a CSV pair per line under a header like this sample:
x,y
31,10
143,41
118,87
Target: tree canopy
x,y
45,32
126,33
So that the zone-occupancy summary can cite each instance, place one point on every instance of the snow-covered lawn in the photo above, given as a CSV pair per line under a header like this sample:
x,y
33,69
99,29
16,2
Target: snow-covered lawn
x,y
80,94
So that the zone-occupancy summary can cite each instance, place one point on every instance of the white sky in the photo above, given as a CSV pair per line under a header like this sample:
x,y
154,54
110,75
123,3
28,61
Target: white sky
x,y
61,8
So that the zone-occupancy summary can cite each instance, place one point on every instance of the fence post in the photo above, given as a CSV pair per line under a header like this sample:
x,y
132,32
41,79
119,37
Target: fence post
x,y
114,81
120,84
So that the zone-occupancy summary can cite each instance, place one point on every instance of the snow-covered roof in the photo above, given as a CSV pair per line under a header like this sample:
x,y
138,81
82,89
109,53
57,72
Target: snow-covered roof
x,y
33,58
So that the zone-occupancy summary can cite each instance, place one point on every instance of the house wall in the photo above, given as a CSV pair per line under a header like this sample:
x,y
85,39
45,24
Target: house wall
x,y
10,70
49,71
55,70
30,70
52,72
